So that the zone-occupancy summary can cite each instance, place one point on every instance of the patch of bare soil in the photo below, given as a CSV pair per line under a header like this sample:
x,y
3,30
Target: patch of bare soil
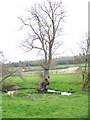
x,y
71,70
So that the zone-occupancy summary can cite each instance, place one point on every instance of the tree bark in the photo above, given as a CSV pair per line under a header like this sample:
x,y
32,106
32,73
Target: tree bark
x,y
86,83
44,82
89,72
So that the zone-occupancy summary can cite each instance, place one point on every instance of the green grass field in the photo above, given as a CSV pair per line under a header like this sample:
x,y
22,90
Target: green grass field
x,y
27,103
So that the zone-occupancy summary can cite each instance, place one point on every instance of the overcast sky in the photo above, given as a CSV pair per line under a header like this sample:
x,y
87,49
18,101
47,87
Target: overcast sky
x,y
75,27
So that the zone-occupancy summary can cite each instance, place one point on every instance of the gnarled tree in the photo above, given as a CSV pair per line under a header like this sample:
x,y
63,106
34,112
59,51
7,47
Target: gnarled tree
x,y
45,22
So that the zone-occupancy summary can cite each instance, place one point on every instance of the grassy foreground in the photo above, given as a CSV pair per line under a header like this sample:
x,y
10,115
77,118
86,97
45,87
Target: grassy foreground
x,y
27,103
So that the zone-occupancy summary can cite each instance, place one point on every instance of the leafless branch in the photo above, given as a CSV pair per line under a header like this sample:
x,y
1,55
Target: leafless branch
x,y
45,22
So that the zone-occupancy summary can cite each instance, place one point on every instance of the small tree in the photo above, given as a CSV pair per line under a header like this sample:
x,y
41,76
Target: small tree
x,y
84,58
45,22
7,70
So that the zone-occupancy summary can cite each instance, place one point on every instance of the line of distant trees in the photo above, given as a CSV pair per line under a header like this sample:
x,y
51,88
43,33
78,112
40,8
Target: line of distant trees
x,y
56,61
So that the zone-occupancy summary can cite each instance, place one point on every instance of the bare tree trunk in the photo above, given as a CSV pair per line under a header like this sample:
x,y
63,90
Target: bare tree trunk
x,y
44,82
46,73
46,77
89,81
86,79
85,84
89,72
